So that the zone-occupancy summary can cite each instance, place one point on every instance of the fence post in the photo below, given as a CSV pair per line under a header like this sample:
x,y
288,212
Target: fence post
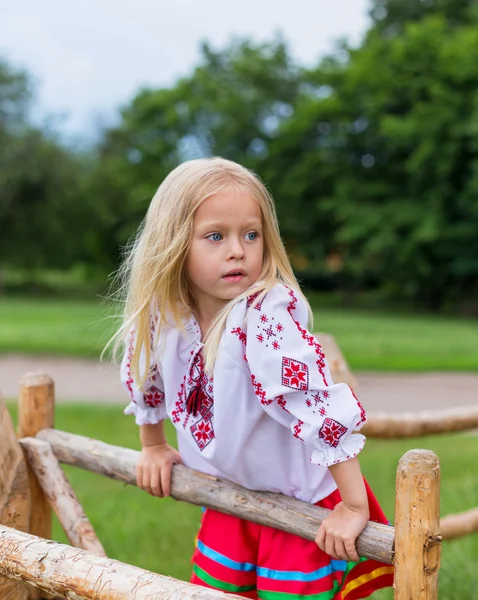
x,y
417,523
36,409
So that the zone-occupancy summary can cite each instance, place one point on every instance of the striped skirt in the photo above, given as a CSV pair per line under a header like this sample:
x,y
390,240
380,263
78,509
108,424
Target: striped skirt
x,y
254,561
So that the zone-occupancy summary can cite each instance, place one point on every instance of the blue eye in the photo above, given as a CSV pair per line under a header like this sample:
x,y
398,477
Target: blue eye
x,y
251,236
215,237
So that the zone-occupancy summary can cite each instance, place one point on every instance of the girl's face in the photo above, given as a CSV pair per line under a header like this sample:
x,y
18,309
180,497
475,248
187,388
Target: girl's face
x,y
226,252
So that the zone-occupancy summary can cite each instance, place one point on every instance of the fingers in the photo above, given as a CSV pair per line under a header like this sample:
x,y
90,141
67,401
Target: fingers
x,y
156,483
350,550
148,479
166,478
153,474
330,545
320,538
336,545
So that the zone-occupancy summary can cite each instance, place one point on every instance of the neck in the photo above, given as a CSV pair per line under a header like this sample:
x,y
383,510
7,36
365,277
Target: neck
x,y
204,317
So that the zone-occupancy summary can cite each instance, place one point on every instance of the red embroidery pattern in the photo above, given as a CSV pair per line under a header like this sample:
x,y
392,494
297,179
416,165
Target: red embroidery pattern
x,y
295,374
129,380
260,393
201,423
282,403
363,415
269,330
203,433
241,334
310,339
298,429
153,396
202,428
180,404
331,432
250,300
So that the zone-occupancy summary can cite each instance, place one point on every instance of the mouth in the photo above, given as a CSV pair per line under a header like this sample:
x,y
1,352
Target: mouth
x,y
234,275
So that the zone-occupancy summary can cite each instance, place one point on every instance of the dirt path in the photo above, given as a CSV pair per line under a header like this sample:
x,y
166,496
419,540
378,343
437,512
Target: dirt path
x,y
87,381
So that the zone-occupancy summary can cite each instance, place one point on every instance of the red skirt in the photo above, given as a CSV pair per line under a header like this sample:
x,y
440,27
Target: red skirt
x,y
236,556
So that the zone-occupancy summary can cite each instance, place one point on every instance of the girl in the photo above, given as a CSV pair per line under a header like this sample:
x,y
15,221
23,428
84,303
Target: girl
x,y
217,341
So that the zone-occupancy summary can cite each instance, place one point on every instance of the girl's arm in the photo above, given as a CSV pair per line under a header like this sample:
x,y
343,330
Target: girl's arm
x,y
155,464
152,435
338,532
349,480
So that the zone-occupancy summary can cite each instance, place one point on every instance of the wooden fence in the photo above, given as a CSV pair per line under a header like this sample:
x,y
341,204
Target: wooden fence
x,y
30,489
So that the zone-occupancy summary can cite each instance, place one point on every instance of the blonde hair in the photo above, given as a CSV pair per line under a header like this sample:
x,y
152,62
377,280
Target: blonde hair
x,y
153,276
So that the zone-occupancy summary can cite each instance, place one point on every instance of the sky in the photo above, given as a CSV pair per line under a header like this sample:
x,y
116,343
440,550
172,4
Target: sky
x,y
89,58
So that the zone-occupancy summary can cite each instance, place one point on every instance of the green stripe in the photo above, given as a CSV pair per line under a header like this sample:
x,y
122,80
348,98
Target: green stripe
x,y
350,566
221,585
327,595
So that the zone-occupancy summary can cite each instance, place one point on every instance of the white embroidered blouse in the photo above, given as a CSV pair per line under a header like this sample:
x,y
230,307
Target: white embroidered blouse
x,y
270,417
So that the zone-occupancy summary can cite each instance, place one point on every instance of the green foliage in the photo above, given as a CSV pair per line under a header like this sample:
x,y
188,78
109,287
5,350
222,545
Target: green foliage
x,y
42,214
385,165
230,106
371,156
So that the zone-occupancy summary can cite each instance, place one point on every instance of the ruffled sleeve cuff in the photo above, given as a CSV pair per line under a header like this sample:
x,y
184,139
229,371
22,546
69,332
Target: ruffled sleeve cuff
x,y
325,456
146,415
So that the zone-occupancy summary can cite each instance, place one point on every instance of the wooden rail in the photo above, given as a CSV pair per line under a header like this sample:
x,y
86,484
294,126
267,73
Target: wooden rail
x,y
265,508
414,424
73,573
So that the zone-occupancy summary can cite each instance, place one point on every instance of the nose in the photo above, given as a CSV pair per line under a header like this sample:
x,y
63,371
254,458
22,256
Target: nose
x,y
235,249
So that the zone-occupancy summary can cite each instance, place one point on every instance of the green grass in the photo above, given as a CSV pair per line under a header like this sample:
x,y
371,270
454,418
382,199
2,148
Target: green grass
x,y
63,327
369,339
158,534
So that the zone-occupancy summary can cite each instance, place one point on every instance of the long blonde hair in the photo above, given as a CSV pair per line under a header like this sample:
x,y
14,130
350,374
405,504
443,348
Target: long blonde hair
x,y
153,277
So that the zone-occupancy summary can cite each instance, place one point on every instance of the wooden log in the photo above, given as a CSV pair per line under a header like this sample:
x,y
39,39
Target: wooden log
x,y
36,410
338,366
412,424
61,496
265,508
459,524
15,500
79,575
417,515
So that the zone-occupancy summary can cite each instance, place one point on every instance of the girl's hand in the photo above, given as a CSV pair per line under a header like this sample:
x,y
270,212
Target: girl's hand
x,y
338,532
153,471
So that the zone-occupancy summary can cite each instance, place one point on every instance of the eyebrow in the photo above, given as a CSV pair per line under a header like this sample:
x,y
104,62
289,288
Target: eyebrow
x,y
219,224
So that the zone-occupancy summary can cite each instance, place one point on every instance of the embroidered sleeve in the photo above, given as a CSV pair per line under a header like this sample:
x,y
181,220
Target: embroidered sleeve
x,y
292,380
147,403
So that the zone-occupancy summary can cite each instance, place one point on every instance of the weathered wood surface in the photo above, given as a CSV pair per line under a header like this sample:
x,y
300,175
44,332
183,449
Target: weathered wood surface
x,y
459,524
61,496
338,366
79,575
274,510
14,494
412,424
36,410
417,516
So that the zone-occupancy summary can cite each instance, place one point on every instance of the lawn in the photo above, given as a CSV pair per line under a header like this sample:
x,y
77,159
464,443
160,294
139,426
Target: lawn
x,y
158,534
369,339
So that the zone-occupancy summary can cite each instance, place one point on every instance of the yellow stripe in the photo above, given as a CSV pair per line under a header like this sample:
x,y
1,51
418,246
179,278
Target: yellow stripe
x,y
352,585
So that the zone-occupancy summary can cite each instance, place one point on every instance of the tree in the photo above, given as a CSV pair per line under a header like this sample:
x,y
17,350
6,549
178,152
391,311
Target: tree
x,y
394,143
41,217
390,17
231,105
